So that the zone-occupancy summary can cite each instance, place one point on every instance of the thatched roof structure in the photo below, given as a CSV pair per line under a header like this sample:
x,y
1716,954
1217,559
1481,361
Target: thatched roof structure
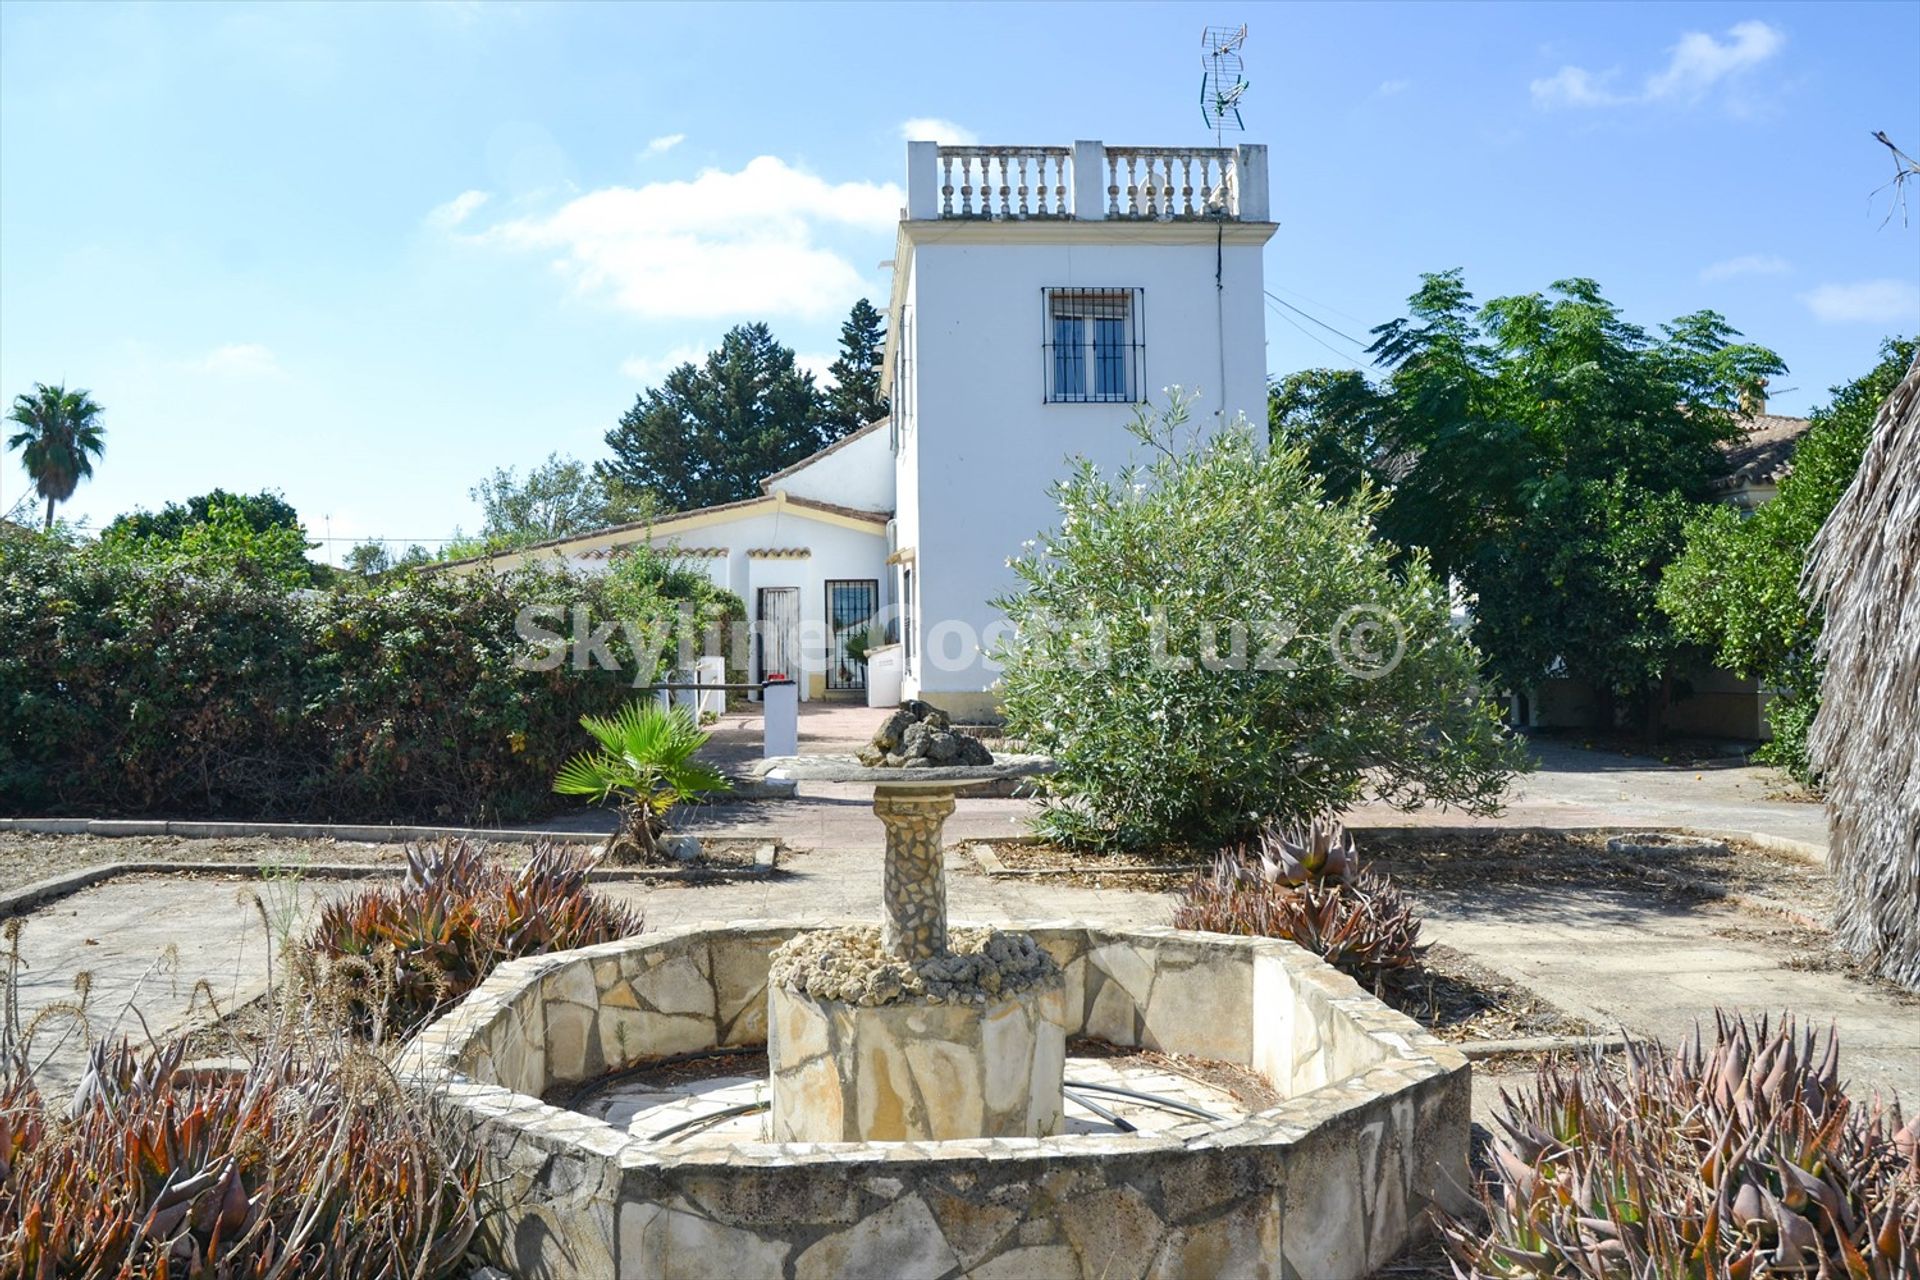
x,y
1864,570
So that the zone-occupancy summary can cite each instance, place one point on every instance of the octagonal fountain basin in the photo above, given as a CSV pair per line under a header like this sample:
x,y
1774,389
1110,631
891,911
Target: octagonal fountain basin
x,y
1232,1107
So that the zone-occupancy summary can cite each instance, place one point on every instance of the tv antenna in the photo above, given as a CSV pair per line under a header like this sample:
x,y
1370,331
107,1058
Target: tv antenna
x,y
1223,84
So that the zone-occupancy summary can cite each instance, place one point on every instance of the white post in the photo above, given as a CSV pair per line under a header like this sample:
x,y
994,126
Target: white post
x,y
923,180
1090,181
780,709
1251,183
710,670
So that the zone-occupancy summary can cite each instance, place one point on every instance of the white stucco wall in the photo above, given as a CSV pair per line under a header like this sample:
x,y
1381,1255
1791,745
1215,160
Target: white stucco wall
x,y
986,445
858,474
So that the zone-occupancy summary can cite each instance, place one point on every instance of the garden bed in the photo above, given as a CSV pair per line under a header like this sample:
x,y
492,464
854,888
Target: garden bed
x,y
27,859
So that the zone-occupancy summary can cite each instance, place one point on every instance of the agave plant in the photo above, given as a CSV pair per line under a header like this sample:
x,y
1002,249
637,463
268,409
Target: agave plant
x,y
295,1166
1745,1158
1312,853
1360,924
645,764
409,951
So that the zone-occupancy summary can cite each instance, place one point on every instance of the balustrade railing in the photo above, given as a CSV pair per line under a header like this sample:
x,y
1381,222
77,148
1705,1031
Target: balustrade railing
x,y
1006,182
1171,182
1157,183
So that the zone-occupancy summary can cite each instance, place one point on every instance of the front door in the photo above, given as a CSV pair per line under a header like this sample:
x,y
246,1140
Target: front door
x,y
851,604
778,632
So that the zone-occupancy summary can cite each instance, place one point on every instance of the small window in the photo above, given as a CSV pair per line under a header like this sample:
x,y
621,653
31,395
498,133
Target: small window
x,y
1093,346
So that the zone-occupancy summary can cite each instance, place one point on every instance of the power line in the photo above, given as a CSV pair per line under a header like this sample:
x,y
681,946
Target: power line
x,y
1344,357
1324,306
1322,323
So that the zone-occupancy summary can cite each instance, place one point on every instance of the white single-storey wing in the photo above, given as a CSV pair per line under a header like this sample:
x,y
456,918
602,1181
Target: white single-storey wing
x,y
808,558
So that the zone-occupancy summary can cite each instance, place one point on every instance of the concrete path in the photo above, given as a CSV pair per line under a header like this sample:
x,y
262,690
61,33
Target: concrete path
x,y
1654,967
1577,788
151,941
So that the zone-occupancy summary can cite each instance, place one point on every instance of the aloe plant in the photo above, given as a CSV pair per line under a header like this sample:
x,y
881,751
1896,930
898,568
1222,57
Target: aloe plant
x,y
645,764
1306,884
1743,1158
422,945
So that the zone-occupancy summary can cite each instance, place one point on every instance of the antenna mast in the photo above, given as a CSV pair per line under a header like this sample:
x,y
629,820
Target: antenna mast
x,y
1222,85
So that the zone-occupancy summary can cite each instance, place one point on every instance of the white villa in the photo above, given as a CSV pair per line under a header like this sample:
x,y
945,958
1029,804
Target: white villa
x,y
1040,295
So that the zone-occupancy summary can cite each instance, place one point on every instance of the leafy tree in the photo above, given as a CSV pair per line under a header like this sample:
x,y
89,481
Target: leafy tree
x,y
1334,417
60,436
263,511
1736,587
561,496
1541,450
1209,644
372,557
226,542
857,397
710,433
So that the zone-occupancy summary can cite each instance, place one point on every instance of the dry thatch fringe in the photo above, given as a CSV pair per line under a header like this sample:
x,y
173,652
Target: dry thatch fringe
x,y
1864,571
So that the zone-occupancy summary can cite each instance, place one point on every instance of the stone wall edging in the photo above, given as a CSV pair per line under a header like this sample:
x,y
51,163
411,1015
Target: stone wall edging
x,y
1414,1053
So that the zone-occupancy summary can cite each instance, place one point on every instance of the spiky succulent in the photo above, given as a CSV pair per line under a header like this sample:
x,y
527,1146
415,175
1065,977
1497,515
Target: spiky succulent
x,y
422,945
294,1166
1304,853
1745,1158
1354,918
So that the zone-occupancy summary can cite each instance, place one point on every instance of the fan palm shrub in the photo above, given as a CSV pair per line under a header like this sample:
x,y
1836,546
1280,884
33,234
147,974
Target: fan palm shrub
x,y
646,766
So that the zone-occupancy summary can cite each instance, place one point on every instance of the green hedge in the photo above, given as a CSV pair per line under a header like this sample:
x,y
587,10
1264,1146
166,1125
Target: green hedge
x,y
159,688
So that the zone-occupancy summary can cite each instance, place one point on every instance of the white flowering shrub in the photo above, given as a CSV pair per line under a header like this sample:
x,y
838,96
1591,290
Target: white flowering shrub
x,y
1206,645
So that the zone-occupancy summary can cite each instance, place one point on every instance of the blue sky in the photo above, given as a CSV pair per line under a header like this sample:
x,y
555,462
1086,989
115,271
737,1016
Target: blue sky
x,y
365,253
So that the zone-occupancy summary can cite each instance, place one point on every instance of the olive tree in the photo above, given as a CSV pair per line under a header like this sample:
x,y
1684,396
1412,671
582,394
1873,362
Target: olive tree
x,y
1207,643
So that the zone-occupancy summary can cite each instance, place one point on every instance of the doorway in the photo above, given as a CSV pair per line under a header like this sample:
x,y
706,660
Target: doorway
x,y
777,632
851,606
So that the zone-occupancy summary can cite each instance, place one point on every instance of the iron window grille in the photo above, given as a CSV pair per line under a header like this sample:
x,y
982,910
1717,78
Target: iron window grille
x,y
1094,346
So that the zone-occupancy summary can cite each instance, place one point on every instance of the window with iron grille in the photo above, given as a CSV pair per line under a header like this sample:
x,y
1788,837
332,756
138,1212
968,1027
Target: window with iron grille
x,y
1094,346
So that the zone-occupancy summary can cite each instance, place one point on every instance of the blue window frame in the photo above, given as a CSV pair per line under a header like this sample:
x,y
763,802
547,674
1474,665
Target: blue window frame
x,y
1093,346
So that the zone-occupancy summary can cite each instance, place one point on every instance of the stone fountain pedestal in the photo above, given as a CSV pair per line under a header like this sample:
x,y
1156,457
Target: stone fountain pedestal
x,y
954,1065
916,1072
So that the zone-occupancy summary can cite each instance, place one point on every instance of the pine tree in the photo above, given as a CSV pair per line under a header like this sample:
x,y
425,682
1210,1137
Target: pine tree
x,y
857,397
709,434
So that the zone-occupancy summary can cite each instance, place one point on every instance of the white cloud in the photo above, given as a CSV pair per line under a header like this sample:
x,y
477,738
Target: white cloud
x,y
1388,88
663,144
244,359
1885,301
934,129
650,369
722,244
1695,65
1748,264
457,210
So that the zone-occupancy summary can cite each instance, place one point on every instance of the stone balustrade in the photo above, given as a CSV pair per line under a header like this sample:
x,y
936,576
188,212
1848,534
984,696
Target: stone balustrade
x,y
1171,182
1005,182
1088,181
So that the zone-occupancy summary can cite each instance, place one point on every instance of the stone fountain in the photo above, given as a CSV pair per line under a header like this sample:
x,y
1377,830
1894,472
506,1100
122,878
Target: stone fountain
x,y
898,1034
908,1119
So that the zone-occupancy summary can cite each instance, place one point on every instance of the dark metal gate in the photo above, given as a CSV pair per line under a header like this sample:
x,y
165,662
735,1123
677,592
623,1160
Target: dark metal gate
x,y
851,606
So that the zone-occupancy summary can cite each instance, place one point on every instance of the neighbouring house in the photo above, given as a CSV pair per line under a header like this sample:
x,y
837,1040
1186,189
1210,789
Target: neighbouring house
x,y
1040,296
1707,702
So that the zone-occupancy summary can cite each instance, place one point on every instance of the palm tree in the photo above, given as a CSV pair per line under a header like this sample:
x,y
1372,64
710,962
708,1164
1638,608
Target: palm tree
x,y
645,764
60,435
